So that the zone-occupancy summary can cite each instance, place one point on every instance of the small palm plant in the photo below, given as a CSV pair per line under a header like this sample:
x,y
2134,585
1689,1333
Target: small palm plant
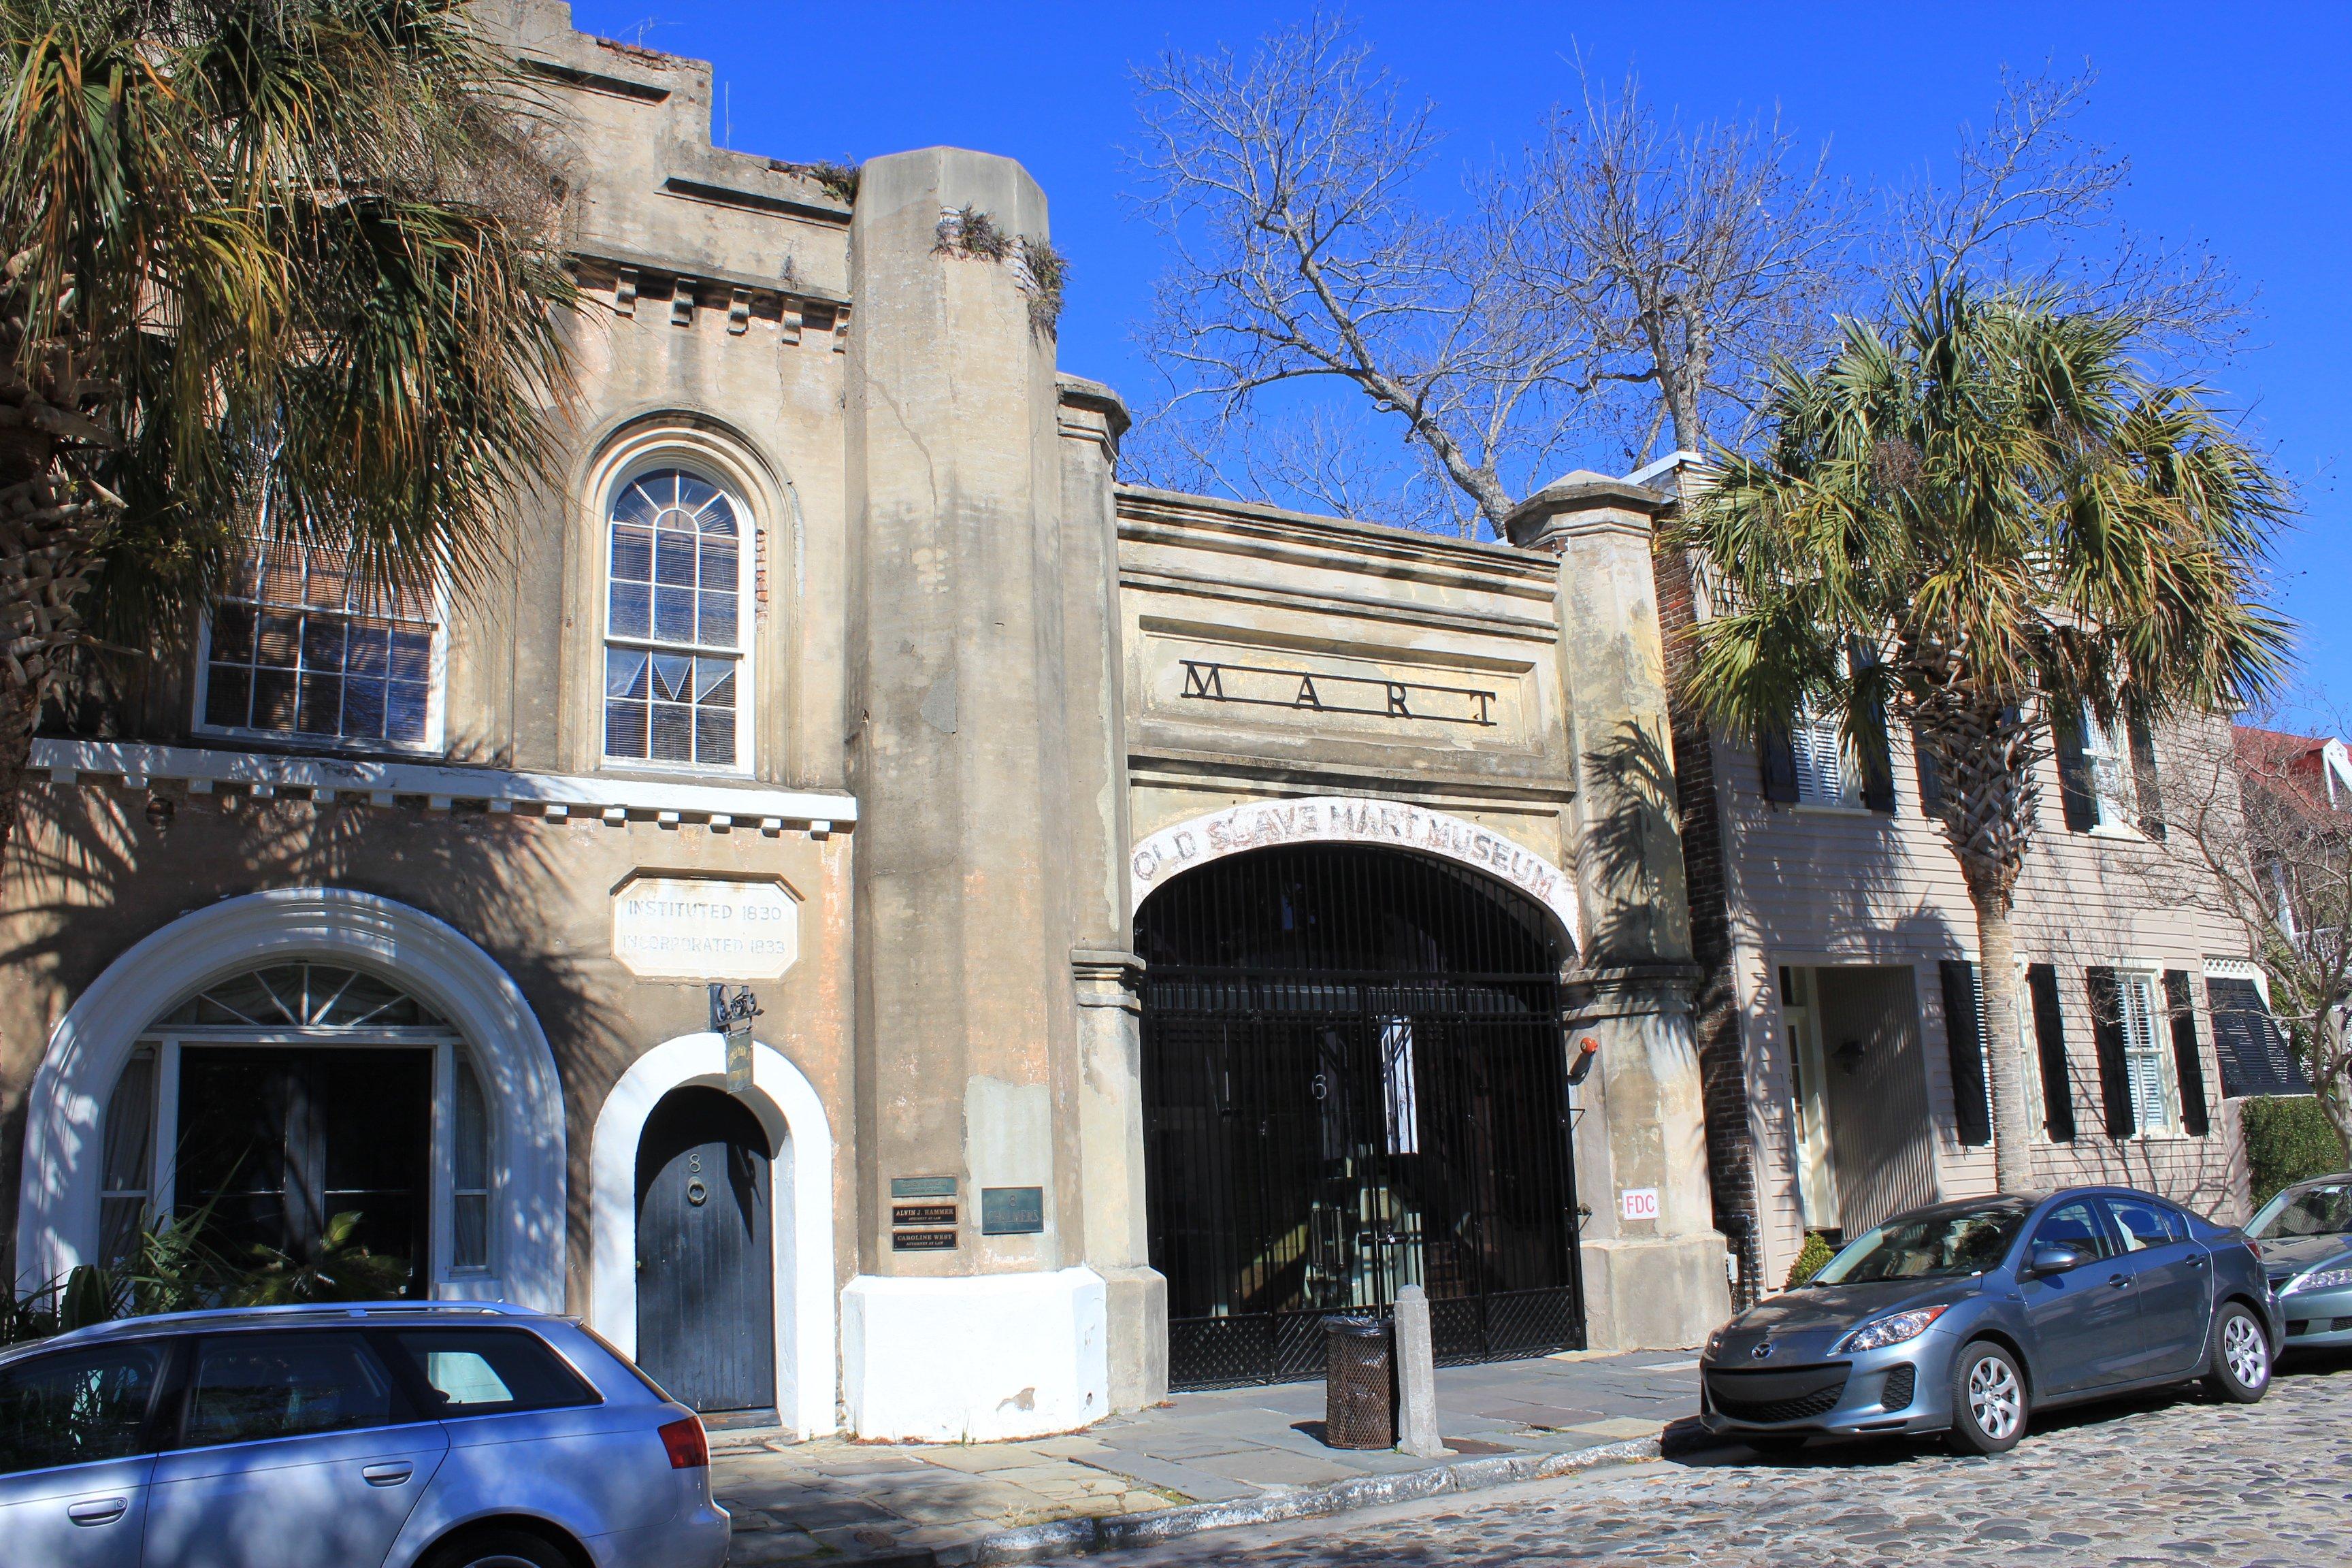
x,y
1985,516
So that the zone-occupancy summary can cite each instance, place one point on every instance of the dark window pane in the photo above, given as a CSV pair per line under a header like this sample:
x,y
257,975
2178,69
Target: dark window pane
x,y
322,642
485,1372
674,615
251,1386
406,705
718,626
633,554
625,672
412,655
632,611
280,641
363,709
634,505
369,644
227,692
273,699
233,633
693,493
718,519
322,704
624,729
2072,1225
77,1406
714,736
281,575
714,682
673,737
674,551
673,678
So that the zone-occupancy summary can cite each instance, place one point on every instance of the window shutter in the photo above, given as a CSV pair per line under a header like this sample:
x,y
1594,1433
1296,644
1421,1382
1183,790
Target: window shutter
x,y
1964,1037
1877,771
1777,756
1931,779
2144,781
2107,1031
2075,790
2187,1066
2253,1054
2049,1047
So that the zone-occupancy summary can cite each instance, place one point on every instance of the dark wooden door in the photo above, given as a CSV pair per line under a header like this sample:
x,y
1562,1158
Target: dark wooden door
x,y
705,1281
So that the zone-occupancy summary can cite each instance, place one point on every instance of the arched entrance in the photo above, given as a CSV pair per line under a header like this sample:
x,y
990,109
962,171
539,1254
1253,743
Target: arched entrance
x,y
705,1271
1354,1079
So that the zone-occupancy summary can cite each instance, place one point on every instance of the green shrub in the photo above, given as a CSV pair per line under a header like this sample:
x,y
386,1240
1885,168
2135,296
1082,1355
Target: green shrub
x,y
1811,1259
2289,1139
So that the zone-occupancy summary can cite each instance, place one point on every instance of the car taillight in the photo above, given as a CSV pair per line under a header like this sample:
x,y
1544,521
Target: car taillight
x,y
689,1449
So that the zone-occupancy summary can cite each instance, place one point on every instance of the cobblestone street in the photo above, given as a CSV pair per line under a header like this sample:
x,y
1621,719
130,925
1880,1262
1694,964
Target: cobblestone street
x,y
2175,1480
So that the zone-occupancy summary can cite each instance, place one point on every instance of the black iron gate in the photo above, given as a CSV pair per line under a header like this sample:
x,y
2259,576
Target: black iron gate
x,y
1354,1080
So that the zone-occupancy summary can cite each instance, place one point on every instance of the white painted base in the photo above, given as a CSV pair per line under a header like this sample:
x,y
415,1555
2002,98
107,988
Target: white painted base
x,y
977,1359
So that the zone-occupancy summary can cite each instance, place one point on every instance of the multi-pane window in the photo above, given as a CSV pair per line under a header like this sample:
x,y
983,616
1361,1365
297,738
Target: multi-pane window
x,y
298,646
469,1173
674,621
2144,1056
2106,750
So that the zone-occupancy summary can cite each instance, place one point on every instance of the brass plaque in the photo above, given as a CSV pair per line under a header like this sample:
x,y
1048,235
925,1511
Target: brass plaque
x,y
922,1241
922,1187
923,1213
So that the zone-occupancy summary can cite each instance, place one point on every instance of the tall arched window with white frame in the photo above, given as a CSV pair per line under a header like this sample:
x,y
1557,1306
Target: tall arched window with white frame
x,y
677,571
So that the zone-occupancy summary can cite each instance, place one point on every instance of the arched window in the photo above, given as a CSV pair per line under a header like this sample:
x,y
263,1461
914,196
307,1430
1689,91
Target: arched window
x,y
674,626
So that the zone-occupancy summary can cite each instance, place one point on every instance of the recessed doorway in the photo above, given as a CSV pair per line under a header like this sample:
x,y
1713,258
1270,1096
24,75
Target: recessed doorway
x,y
705,1264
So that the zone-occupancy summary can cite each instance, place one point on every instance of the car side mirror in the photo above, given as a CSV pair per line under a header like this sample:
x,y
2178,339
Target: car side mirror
x,y
2056,1260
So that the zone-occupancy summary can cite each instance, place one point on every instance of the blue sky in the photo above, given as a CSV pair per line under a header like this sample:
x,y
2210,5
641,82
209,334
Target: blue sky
x,y
2237,120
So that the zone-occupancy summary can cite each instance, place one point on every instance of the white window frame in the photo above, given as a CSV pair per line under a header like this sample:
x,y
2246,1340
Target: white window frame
x,y
2154,1014
2114,793
1827,776
436,705
747,538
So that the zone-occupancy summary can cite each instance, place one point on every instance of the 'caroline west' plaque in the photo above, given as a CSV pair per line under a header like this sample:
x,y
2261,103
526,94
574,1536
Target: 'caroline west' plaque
x,y
922,1241
702,928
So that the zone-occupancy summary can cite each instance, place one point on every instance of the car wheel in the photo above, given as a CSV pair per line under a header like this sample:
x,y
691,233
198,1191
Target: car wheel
x,y
2239,1359
498,1547
1775,1445
1988,1400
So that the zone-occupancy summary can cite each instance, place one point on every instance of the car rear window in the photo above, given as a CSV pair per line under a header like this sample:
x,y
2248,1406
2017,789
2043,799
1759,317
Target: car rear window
x,y
492,1372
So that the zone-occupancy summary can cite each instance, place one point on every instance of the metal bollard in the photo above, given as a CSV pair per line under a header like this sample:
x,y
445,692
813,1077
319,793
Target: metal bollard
x,y
1359,1405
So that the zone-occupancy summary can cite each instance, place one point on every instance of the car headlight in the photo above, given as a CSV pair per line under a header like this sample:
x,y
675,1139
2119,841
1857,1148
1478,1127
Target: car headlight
x,y
2322,1279
1890,1331
1715,1341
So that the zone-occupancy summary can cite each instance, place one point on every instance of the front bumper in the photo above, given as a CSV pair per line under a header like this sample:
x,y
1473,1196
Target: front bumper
x,y
2315,1319
1902,1388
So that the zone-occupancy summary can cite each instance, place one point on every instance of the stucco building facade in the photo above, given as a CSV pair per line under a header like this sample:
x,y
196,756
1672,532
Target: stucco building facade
x,y
1171,920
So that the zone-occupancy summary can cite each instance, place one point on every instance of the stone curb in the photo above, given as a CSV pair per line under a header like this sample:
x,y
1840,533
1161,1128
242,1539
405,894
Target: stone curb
x,y
1123,1532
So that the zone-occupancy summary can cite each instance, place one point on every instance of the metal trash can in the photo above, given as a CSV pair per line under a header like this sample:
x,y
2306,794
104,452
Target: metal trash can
x,y
1358,1383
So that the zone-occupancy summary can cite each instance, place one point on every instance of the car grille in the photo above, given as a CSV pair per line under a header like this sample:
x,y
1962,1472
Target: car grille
x,y
2317,1325
1795,1395
1901,1384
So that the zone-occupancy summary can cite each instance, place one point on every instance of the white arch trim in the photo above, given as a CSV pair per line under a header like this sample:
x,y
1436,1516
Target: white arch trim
x,y
1343,819
57,1208
801,1188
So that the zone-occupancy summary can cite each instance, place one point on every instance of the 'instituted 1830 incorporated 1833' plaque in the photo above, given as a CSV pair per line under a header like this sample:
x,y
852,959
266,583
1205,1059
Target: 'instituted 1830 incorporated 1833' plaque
x,y
703,928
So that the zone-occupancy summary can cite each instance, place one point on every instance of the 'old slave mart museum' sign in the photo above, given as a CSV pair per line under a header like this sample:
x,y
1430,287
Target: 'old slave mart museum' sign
x,y
700,927
1336,819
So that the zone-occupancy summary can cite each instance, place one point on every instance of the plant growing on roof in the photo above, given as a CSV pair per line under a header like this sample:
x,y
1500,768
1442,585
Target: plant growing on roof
x,y
967,231
1046,273
285,267
1978,518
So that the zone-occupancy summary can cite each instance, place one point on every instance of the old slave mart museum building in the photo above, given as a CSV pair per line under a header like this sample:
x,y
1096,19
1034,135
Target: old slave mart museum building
x,y
1171,919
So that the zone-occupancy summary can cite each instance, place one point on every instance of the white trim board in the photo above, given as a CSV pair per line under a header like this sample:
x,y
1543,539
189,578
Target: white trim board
x,y
203,769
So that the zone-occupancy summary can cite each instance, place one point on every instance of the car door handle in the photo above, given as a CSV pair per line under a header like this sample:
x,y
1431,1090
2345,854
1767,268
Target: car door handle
x,y
2197,1263
99,1510
2118,1280
388,1475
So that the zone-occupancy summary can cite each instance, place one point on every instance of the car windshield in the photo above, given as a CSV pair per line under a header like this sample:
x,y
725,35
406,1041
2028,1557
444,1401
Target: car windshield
x,y
2323,1208
1927,1246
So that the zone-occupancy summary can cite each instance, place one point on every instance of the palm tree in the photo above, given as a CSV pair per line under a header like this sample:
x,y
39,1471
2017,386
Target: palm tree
x,y
275,268
1980,517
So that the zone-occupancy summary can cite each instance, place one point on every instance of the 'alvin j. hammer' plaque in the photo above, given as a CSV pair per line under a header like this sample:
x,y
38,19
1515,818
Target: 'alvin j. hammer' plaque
x,y
703,928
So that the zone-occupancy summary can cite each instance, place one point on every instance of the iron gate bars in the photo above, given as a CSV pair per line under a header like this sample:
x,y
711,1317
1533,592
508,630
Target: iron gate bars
x,y
1354,1079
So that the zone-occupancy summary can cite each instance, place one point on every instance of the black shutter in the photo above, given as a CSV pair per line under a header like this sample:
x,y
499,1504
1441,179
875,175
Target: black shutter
x,y
1931,779
1778,757
2108,1030
2144,782
2050,1045
2077,793
2187,1066
1964,1037
1877,771
2253,1054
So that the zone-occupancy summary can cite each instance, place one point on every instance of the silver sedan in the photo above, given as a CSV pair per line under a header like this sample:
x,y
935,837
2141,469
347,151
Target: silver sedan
x,y
2304,1234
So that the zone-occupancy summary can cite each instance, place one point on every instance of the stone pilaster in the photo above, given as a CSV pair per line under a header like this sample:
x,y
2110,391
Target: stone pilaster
x,y
1656,1280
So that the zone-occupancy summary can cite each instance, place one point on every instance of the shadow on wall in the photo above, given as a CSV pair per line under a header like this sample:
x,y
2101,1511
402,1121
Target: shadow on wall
x,y
1626,844
92,869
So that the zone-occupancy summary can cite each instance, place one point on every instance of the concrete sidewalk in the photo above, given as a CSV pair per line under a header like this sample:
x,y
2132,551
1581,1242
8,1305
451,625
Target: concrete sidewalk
x,y
1257,1452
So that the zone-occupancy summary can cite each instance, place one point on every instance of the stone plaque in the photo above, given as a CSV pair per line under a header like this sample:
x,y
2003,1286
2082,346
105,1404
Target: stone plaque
x,y
922,1187
923,1213
1012,1211
922,1241
678,928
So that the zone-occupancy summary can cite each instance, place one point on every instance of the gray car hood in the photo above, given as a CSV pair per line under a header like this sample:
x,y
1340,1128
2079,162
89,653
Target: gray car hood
x,y
1804,1323
2302,1252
